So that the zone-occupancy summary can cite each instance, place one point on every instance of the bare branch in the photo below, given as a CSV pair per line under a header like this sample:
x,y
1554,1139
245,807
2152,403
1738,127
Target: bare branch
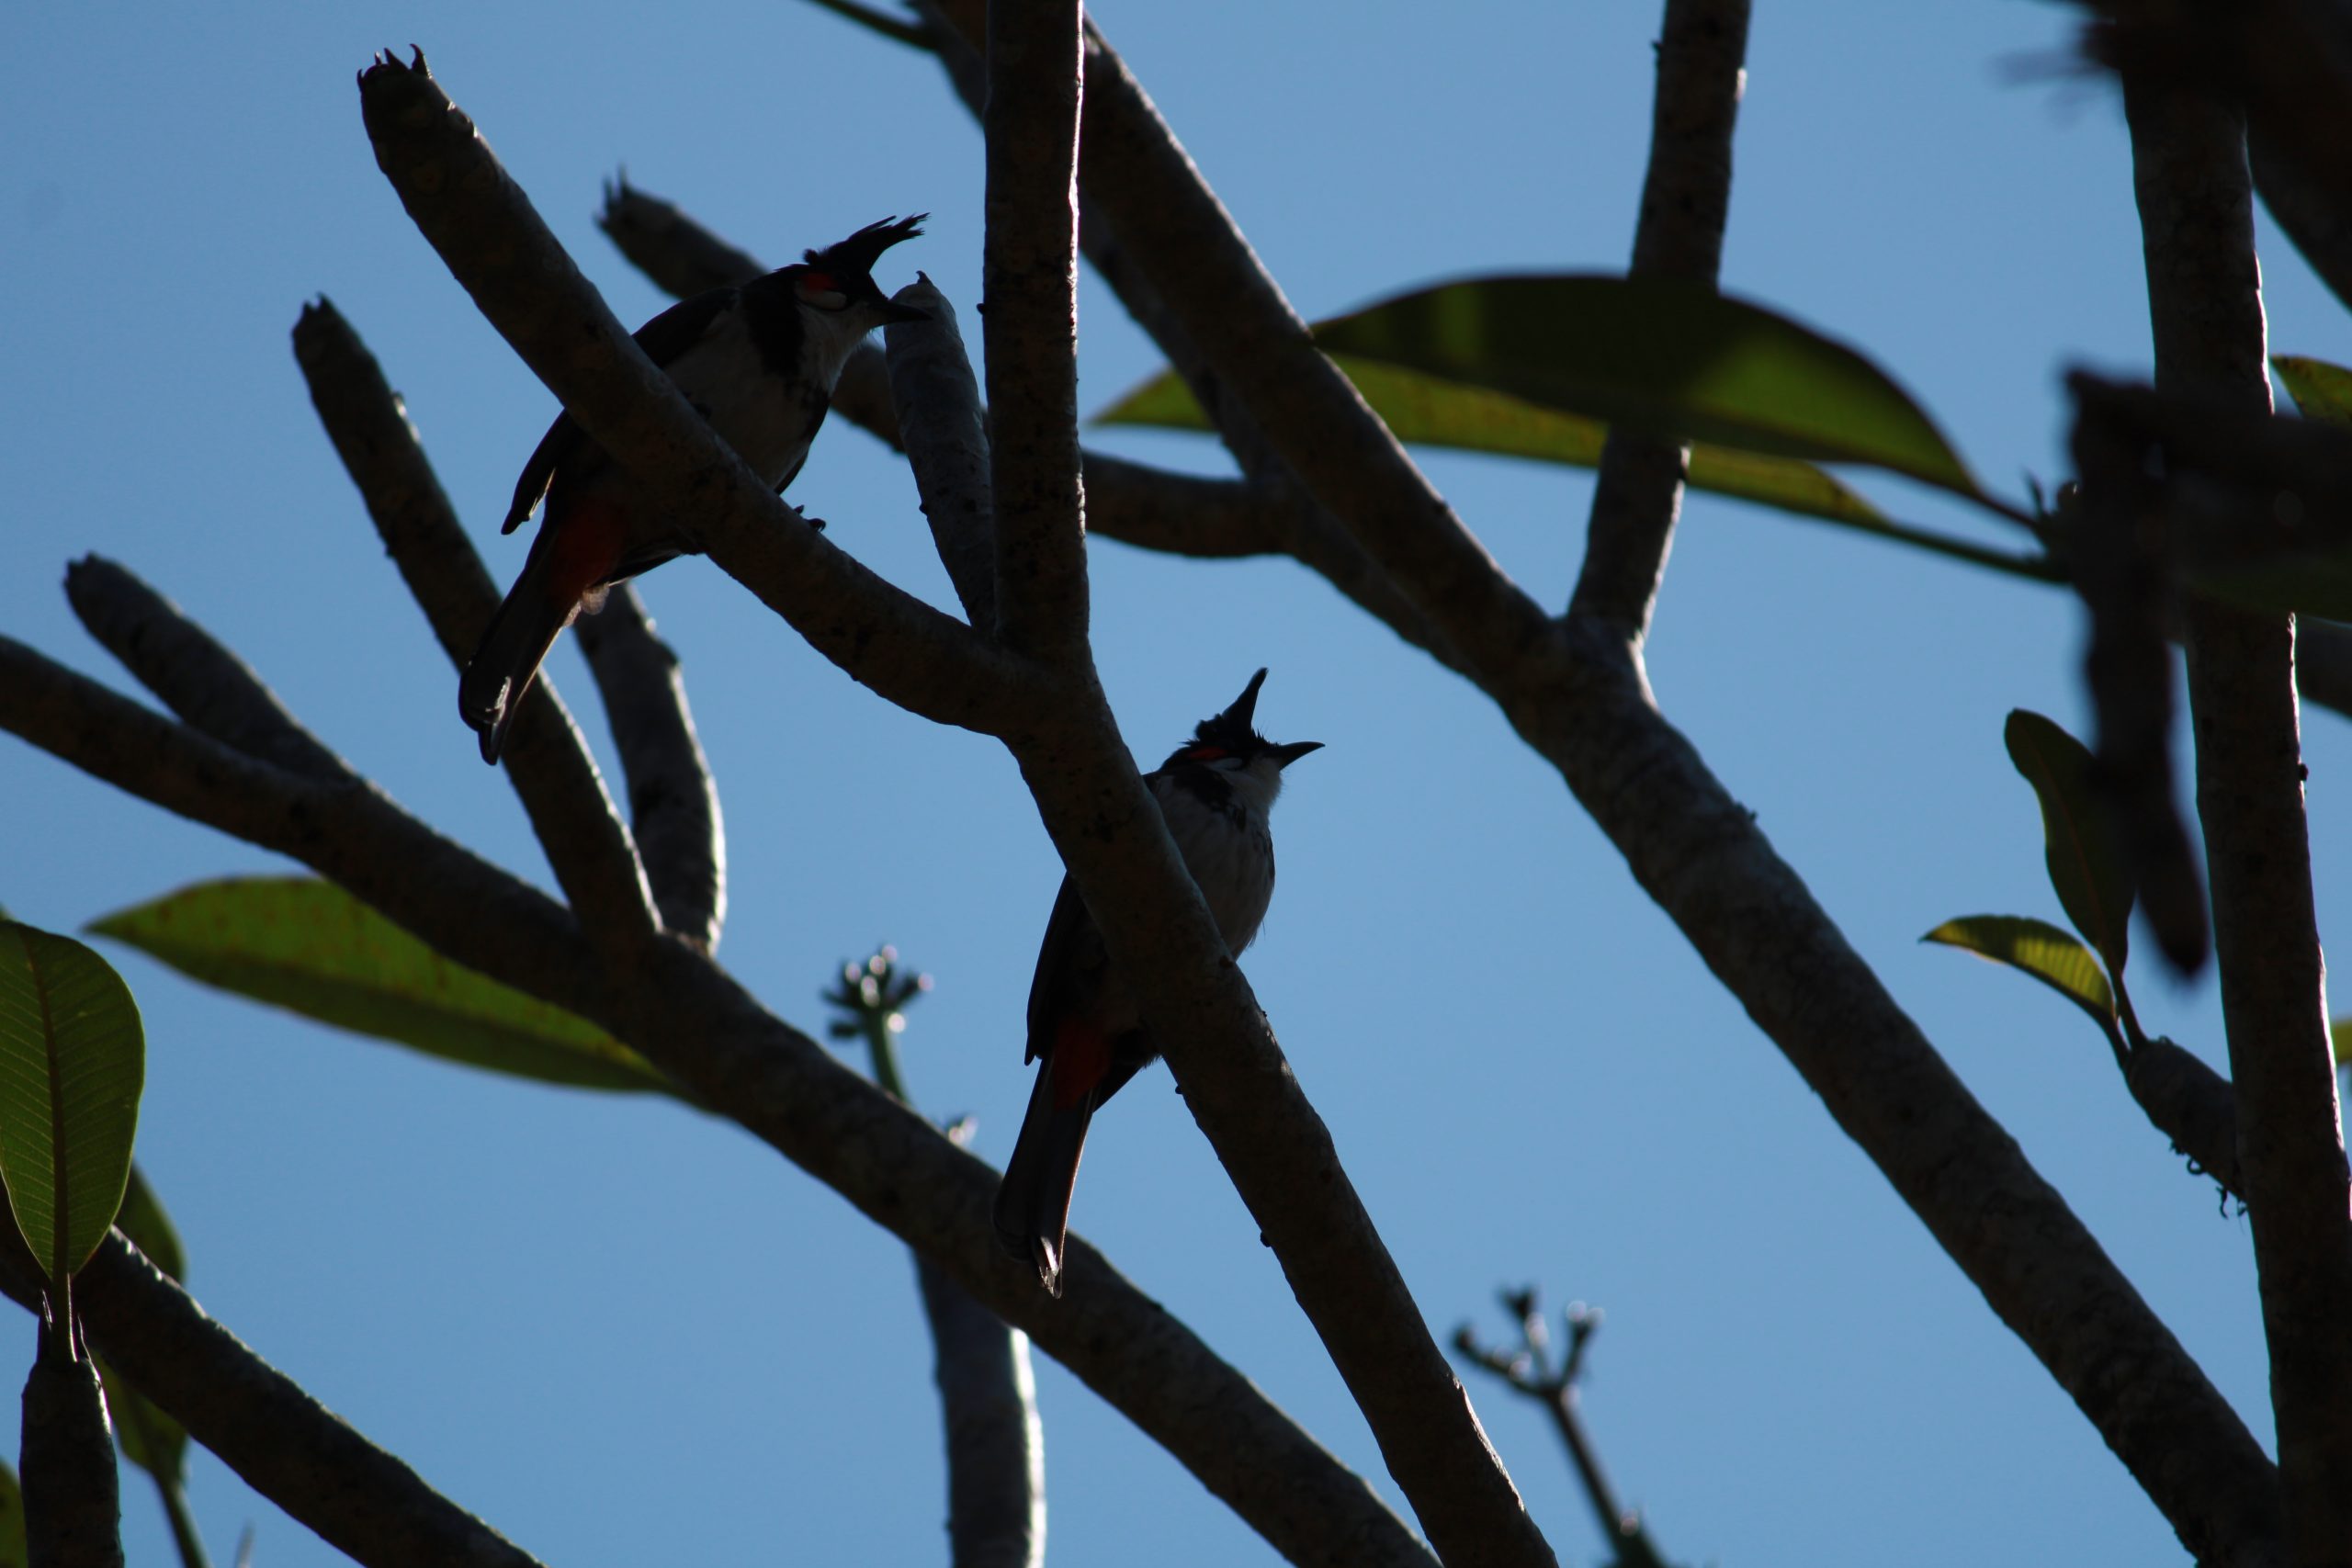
x,y
1528,1372
283,1443
1029,277
2289,64
691,1018
2205,307
495,244
2192,1105
679,255
1186,243
210,689
945,434
1686,202
1295,525
996,1449
547,761
673,799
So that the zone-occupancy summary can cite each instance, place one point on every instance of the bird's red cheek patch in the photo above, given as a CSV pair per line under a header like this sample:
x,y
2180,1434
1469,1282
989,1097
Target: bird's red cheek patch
x,y
1207,754
1082,1056
586,548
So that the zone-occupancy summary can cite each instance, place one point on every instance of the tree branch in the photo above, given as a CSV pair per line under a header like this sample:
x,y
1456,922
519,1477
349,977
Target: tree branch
x,y
283,1443
691,1018
495,244
1186,245
945,434
1686,202
211,689
553,774
1582,703
673,799
2205,307
1029,275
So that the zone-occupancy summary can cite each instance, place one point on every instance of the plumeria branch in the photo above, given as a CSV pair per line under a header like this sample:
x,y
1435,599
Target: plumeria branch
x,y
279,1440
2205,309
563,794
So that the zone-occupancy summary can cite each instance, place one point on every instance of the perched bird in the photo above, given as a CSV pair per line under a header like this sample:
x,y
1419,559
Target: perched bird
x,y
1214,792
758,362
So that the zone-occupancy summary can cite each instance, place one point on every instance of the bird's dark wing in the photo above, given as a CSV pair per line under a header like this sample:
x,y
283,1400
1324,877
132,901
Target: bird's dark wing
x,y
675,329
562,440
1069,967
663,338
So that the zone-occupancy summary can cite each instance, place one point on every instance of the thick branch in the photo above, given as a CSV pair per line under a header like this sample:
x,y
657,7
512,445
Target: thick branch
x,y
1584,705
497,245
284,1444
939,418
212,690
1029,275
690,1017
996,1447
1686,202
2205,306
673,799
550,766
1346,460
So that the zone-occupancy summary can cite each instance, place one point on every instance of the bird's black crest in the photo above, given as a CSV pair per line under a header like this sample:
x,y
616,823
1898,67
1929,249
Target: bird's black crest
x,y
857,254
1235,729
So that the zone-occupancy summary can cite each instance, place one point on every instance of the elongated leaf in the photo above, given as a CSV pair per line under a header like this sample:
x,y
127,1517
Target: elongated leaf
x,y
310,947
1429,411
1662,355
2038,948
73,1059
2093,886
2321,390
149,1229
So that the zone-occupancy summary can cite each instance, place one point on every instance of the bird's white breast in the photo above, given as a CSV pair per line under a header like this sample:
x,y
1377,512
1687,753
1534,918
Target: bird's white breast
x,y
761,415
1230,854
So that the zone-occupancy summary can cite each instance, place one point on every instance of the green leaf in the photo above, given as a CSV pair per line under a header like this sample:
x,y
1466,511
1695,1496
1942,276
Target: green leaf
x,y
2041,950
310,947
1662,355
1427,411
73,1058
2093,886
13,1550
151,1230
2321,390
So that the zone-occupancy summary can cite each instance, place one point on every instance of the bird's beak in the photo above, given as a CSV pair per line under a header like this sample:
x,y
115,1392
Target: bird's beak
x,y
1285,756
894,312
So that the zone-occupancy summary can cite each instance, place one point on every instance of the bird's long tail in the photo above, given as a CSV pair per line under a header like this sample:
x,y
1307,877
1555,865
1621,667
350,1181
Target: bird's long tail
x,y
570,563
1033,1204
491,691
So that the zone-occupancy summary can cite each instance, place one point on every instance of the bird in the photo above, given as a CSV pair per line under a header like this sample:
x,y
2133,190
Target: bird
x,y
758,361
1085,1031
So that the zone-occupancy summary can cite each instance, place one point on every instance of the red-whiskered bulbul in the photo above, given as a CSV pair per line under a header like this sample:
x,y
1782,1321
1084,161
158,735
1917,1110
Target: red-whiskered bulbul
x,y
1214,792
759,362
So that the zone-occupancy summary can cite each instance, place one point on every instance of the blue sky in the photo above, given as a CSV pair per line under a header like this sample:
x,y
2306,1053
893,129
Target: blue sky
x,y
624,1333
